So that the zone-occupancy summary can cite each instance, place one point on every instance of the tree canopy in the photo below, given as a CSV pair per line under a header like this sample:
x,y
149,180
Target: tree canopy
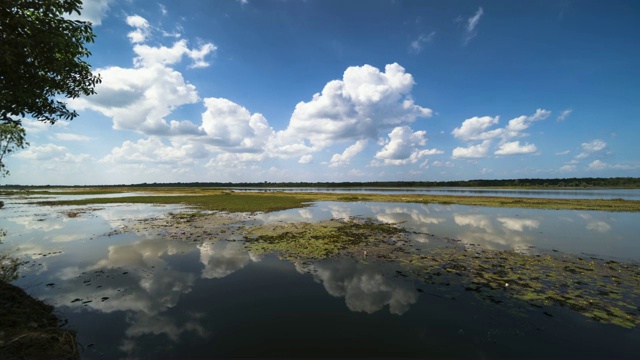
x,y
42,62
12,137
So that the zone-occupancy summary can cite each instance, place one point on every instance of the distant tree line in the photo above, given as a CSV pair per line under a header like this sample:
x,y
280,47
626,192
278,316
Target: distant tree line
x,y
617,182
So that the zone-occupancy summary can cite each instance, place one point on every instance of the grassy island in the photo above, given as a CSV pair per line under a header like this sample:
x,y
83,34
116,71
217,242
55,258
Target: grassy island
x,y
236,201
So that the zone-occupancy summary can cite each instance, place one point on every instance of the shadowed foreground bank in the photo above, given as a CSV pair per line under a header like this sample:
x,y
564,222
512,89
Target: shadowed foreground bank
x,y
30,330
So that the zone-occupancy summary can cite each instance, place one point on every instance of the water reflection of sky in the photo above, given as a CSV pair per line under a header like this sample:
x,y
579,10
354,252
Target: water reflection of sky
x,y
592,232
365,287
136,295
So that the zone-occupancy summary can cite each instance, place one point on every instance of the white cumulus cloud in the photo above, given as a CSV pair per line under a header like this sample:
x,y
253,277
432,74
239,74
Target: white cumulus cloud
x,y
231,126
360,105
472,152
516,126
154,150
151,55
480,128
306,159
141,28
52,153
514,148
403,147
92,10
475,128
348,154
139,98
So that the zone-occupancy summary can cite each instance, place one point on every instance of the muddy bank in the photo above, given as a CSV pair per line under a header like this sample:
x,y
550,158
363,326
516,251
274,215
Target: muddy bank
x,y
30,330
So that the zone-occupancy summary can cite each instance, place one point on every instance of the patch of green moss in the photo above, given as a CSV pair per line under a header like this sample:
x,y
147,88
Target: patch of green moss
x,y
295,241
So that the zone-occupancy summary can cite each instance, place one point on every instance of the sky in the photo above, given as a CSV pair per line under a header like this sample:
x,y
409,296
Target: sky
x,y
346,90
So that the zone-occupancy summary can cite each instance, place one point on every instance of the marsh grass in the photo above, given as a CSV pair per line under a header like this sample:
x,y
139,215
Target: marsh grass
x,y
236,202
226,200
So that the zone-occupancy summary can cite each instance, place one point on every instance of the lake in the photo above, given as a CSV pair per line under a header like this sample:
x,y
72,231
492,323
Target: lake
x,y
151,294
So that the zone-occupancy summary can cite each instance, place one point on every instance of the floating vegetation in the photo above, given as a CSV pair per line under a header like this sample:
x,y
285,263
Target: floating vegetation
x,y
296,241
606,291
72,214
196,226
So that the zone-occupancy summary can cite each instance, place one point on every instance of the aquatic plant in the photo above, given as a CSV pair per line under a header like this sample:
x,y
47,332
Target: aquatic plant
x,y
295,241
606,291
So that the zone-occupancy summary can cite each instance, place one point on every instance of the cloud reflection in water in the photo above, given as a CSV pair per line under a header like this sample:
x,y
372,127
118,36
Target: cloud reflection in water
x,y
365,287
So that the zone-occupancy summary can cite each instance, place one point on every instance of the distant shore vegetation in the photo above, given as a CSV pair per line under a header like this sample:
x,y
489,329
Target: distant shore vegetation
x,y
527,183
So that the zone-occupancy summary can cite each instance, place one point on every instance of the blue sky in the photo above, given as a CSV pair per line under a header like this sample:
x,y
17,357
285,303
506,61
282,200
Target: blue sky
x,y
321,90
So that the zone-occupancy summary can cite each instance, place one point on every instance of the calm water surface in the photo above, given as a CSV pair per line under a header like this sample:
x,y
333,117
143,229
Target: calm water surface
x,y
141,296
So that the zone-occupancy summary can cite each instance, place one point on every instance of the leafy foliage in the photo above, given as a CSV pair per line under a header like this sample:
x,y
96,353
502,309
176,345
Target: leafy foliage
x,y
43,57
12,137
41,60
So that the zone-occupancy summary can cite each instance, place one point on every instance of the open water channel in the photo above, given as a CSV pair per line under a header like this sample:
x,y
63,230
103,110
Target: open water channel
x,y
147,295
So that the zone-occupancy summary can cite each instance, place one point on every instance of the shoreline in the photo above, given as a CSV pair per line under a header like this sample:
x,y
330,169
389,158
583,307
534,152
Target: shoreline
x,y
29,329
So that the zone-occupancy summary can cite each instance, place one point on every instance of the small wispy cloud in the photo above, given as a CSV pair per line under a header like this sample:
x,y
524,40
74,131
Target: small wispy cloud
x,y
563,115
416,46
472,25
71,137
590,148
568,168
600,165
